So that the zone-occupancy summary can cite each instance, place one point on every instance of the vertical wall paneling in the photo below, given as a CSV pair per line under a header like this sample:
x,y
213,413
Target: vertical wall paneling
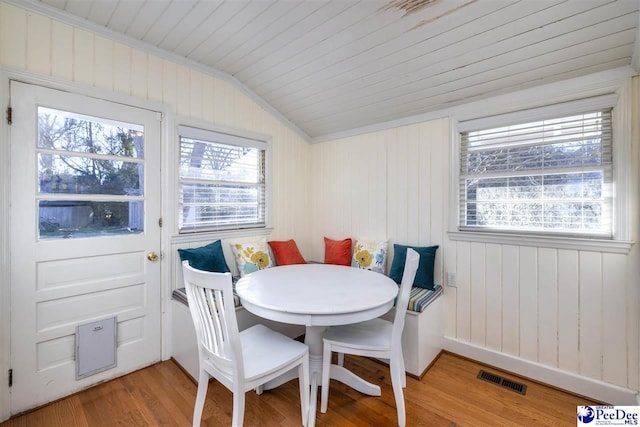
x,y
83,54
633,263
38,44
478,294
358,196
61,50
275,177
286,178
154,78
493,291
463,321
334,177
591,333
633,319
139,77
425,146
169,83
450,294
195,89
568,311
121,68
103,58
226,104
614,309
413,185
528,303
438,162
207,100
183,104
344,210
547,306
13,36
380,193
396,172
318,227
394,214
300,223
510,300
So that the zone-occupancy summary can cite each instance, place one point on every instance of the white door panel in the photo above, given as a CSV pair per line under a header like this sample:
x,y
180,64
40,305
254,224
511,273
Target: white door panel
x,y
80,264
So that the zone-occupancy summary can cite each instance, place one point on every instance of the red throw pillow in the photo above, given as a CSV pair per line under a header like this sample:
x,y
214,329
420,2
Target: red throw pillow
x,y
286,252
337,251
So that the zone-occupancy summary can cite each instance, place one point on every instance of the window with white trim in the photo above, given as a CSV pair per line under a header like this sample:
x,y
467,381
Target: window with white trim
x,y
223,181
550,175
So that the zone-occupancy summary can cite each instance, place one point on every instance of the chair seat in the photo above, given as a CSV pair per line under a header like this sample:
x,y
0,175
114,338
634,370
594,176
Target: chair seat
x,y
374,334
265,351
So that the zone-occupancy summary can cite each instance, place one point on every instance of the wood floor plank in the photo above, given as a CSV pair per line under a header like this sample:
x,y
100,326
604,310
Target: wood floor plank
x,y
448,395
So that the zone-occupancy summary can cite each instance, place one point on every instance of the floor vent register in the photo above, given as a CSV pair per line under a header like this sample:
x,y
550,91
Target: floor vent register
x,y
503,382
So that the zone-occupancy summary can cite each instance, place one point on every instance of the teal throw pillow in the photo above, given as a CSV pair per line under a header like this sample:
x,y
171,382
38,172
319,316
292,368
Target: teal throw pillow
x,y
207,258
424,275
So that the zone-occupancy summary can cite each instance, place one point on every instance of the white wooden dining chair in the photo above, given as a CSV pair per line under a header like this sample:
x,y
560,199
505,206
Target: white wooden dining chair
x,y
241,361
374,338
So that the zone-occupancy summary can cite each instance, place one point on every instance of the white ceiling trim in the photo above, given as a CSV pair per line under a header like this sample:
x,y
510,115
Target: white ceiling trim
x,y
59,15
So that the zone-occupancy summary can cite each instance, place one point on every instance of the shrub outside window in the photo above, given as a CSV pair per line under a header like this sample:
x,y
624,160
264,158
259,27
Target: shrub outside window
x,y
551,176
222,181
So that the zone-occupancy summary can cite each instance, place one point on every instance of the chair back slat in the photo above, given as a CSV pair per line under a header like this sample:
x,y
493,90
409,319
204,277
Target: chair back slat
x,y
210,297
410,268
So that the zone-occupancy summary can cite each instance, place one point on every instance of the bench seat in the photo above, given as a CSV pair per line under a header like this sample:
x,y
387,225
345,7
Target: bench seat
x,y
423,332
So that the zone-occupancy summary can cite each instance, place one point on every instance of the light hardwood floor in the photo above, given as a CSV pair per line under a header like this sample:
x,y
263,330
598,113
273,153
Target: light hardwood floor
x,y
449,394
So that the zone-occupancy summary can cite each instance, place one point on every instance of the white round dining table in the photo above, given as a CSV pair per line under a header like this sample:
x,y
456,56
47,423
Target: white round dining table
x,y
317,296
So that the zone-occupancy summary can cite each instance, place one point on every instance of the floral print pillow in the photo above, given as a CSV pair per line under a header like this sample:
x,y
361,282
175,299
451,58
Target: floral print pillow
x,y
251,256
370,255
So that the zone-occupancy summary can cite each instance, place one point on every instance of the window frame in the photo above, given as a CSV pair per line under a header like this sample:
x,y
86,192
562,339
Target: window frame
x,y
218,134
521,107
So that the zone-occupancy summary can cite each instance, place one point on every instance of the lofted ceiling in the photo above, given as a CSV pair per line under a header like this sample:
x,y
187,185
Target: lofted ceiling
x,y
331,66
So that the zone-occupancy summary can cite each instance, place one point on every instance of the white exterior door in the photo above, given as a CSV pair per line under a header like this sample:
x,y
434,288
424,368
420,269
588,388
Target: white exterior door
x,y
85,204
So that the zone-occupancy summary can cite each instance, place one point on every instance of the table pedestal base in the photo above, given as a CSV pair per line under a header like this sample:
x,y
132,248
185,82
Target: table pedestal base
x,y
313,339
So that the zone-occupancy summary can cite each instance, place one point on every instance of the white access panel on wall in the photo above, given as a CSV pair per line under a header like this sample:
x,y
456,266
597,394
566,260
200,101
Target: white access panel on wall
x,y
95,347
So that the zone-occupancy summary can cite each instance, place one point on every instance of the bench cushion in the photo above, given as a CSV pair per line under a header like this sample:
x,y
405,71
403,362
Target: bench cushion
x,y
181,295
420,298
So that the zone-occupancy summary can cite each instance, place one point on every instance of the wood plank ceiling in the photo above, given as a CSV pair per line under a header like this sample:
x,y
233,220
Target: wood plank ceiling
x,y
330,66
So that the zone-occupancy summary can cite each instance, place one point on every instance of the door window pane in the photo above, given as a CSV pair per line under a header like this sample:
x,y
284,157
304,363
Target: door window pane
x,y
67,131
73,218
86,175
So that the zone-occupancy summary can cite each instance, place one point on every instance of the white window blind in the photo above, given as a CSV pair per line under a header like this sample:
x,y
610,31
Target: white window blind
x,y
551,176
222,184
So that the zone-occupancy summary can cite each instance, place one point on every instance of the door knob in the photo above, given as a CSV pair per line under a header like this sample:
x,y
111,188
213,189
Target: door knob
x,y
152,256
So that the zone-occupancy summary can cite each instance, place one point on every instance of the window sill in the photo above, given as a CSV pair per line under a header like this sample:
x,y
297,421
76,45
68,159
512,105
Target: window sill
x,y
581,244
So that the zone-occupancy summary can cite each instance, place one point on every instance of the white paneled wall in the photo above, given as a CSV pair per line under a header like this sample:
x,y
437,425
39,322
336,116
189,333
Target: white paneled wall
x,y
388,184
576,311
379,185
41,45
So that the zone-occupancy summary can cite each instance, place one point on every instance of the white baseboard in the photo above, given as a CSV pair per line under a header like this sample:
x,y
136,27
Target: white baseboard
x,y
595,389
